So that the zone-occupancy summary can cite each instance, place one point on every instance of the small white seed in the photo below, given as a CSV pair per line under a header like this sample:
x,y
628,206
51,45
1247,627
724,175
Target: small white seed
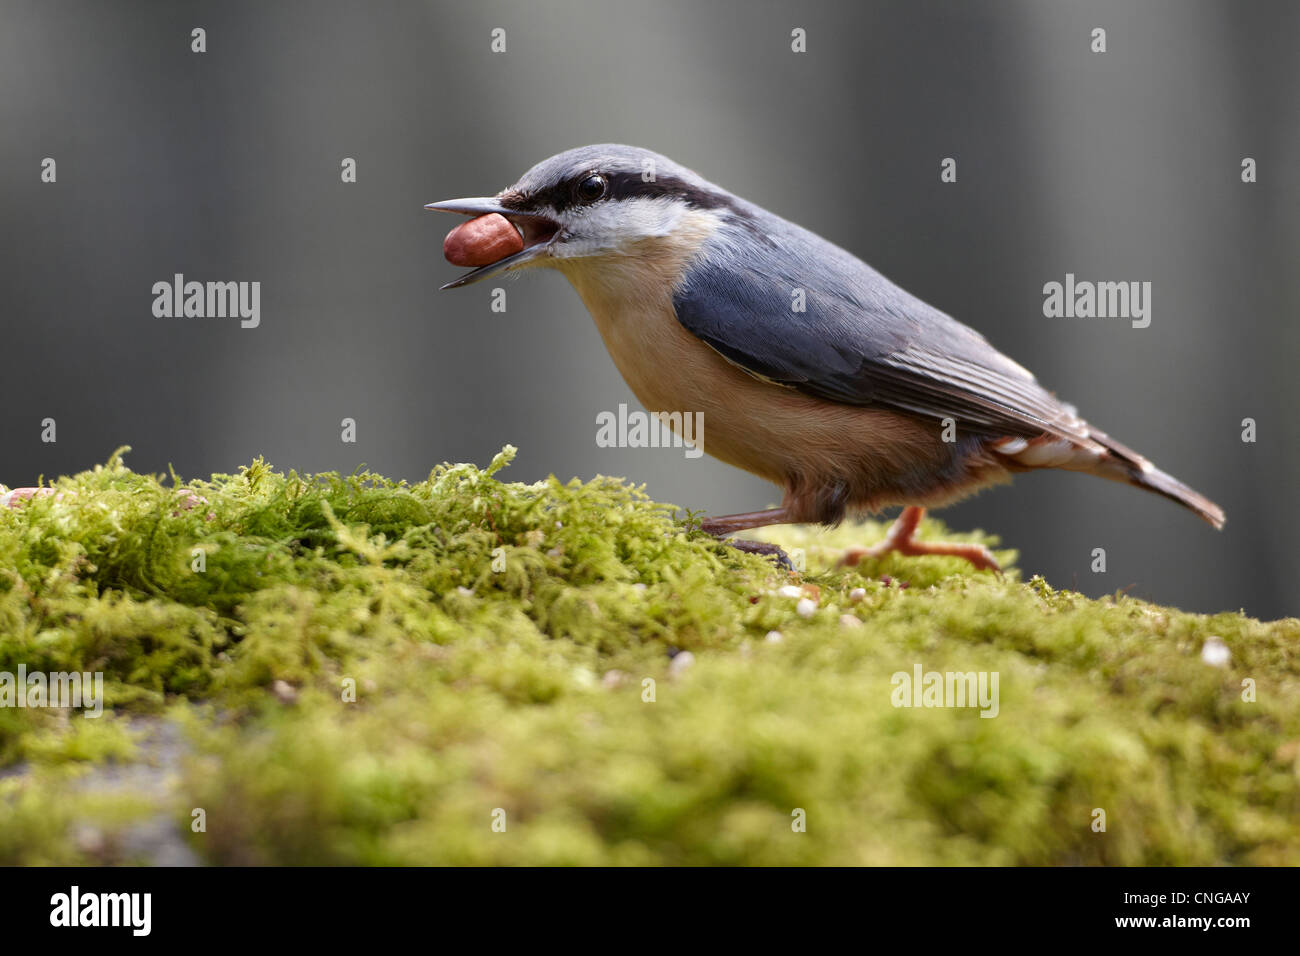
x,y
1215,653
680,663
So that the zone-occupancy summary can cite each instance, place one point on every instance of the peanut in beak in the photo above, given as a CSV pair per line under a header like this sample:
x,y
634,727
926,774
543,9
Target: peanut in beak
x,y
482,241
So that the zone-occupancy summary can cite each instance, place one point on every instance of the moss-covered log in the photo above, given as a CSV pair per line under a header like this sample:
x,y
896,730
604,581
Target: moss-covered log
x,y
465,670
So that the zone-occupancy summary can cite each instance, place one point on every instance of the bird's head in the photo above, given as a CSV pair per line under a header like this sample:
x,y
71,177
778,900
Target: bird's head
x,y
597,205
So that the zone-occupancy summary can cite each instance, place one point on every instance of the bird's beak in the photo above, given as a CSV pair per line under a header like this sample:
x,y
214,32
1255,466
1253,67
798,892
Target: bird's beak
x,y
537,232
479,206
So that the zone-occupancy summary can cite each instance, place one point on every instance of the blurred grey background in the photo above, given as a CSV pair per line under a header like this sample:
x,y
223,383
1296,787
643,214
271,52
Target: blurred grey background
x,y
226,166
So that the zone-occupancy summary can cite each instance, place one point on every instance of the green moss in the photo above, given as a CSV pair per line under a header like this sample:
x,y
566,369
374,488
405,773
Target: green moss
x,y
366,671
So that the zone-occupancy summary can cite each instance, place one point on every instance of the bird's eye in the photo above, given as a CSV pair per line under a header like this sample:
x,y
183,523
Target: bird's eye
x,y
590,188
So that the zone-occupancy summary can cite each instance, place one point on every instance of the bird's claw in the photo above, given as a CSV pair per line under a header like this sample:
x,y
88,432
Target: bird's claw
x,y
764,548
977,554
902,538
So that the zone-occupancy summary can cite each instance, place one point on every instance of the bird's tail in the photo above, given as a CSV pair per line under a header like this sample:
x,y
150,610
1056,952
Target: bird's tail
x,y
1124,464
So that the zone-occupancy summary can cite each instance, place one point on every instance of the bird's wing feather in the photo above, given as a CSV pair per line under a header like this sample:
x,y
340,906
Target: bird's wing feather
x,y
860,340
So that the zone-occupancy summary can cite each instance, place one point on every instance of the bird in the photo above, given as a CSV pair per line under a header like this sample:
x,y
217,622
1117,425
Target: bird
x,y
811,369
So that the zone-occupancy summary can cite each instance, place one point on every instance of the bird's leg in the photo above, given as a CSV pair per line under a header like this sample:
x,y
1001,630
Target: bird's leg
x,y
729,524
724,525
902,538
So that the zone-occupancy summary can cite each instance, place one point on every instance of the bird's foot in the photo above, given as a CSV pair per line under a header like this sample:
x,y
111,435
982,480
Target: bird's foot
x,y
902,539
762,547
723,525
978,555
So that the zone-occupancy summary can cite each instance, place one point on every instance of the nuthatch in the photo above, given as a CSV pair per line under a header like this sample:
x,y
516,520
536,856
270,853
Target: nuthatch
x,y
865,398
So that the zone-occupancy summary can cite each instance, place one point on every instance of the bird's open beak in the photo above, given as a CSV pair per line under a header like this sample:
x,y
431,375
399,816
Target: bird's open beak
x,y
537,232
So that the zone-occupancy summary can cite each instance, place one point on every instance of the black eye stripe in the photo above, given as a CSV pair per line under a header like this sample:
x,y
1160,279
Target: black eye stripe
x,y
621,185
629,185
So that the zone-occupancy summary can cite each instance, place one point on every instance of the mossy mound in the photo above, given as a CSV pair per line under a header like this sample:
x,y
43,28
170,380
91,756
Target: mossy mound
x,y
350,670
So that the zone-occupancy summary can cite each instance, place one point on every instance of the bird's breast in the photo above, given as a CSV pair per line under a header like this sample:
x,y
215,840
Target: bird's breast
x,y
780,434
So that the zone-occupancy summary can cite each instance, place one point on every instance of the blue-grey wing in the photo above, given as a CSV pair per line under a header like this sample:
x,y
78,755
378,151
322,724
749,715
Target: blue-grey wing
x,y
791,308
